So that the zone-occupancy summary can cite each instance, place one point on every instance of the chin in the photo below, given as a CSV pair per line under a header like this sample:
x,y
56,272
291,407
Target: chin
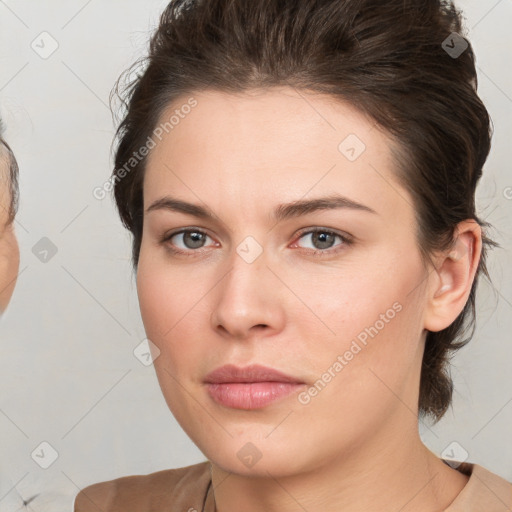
x,y
252,457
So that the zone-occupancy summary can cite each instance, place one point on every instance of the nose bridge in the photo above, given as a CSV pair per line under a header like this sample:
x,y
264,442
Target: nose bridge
x,y
245,297
247,263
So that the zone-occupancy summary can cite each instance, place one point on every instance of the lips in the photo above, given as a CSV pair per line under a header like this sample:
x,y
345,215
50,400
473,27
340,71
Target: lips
x,y
252,387
254,373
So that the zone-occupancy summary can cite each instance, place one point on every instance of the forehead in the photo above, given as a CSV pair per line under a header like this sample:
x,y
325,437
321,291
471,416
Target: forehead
x,y
257,148
298,118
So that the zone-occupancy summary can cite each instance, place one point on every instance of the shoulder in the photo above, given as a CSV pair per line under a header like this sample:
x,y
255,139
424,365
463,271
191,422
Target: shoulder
x,y
182,488
492,488
485,490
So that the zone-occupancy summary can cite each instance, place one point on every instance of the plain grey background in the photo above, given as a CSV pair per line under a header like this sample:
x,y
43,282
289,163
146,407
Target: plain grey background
x,y
68,374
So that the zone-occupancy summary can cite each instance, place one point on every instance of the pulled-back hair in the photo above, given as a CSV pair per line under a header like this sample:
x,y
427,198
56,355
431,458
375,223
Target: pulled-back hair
x,y
9,173
405,63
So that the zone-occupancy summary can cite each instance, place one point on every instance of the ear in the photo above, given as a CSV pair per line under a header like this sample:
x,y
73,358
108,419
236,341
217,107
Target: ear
x,y
452,279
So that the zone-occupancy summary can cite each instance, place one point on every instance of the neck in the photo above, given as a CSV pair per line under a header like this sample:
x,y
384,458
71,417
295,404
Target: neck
x,y
394,471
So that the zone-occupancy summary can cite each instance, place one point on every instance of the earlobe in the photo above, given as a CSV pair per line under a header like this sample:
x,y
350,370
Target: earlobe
x,y
453,277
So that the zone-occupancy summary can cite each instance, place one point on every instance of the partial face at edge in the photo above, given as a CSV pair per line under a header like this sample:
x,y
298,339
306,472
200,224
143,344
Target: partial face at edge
x,y
9,250
306,299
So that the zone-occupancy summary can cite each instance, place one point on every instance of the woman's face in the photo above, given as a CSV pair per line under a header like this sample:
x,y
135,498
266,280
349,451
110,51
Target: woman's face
x,y
9,250
246,286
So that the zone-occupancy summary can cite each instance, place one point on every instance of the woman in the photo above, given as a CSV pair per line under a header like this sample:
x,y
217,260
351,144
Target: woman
x,y
9,250
299,179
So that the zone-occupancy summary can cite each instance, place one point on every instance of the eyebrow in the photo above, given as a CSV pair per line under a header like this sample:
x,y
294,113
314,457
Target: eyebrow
x,y
281,212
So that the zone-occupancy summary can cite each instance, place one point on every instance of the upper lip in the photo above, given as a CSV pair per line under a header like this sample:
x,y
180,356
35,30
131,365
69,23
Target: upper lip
x,y
252,373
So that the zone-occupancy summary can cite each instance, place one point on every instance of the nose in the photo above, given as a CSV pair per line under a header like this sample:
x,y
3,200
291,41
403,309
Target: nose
x,y
248,300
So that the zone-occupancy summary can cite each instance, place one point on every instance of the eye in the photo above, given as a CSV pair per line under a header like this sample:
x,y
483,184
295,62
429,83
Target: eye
x,y
191,240
323,240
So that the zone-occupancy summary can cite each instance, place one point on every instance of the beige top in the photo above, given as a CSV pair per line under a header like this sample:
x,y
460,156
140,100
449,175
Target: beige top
x,y
189,489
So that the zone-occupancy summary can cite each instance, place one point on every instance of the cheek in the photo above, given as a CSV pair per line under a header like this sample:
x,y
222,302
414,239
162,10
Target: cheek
x,y
161,291
375,324
172,312
362,381
356,298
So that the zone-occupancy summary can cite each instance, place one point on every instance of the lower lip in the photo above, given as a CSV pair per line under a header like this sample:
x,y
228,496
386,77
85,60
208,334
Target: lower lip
x,y
250,395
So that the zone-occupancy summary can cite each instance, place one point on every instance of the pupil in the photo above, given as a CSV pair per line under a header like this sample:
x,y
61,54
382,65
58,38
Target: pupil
x,y
195,238
324,239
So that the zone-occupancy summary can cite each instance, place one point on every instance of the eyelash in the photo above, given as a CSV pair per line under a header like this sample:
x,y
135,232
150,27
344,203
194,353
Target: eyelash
x,y
346,239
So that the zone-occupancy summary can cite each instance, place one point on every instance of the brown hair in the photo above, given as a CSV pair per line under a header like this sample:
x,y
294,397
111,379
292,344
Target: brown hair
x,y
11,175
391,59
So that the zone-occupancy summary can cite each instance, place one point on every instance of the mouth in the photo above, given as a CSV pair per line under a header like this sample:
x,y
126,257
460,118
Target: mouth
x,y
252,387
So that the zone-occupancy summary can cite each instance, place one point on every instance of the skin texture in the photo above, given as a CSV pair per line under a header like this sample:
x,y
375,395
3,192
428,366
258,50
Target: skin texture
x,y
9,250
355,445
